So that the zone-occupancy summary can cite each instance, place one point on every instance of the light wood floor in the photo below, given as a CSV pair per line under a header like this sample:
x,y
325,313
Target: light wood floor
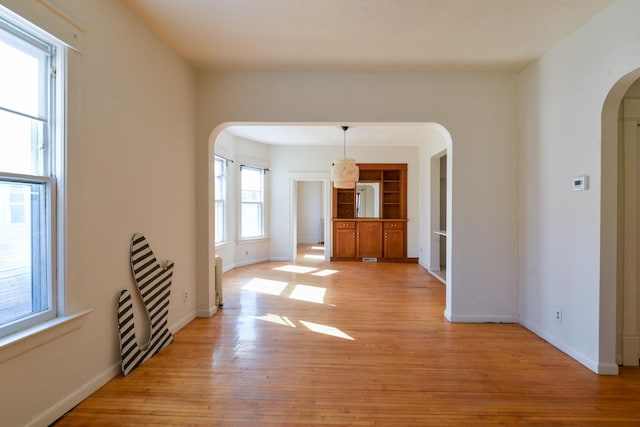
x,y
350,343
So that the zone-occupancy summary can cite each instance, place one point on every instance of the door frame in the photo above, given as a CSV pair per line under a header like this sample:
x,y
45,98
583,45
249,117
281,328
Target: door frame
x,y
434,206
628,353
325,179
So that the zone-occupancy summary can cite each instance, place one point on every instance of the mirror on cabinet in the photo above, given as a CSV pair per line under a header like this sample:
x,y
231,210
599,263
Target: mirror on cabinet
x,y
368,200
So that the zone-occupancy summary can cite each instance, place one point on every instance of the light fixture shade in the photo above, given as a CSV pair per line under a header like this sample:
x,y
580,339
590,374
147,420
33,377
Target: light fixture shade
x,y
344,173
344,184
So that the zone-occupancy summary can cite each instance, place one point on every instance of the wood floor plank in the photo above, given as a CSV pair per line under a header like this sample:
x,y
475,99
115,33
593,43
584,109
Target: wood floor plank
x,y
349,343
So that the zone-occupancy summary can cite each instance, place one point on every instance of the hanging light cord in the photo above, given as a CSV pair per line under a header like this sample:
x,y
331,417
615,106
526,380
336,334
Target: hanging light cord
x,y
344,142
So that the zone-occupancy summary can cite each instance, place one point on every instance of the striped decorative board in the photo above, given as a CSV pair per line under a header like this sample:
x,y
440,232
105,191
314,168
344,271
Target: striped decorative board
x,y
153,283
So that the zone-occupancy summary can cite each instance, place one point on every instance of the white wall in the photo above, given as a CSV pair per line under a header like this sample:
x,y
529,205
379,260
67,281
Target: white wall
x,y
567,250
131,170
478,109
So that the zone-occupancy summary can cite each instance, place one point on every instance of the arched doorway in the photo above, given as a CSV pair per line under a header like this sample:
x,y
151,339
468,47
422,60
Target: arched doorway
x,y
434,137
619,284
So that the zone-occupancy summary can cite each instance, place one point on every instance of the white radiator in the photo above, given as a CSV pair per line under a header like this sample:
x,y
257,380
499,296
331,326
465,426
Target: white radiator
x,y
218,281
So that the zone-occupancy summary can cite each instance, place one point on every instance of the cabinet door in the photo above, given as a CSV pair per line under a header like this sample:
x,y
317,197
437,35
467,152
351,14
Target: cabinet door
x,y
344,242
394,240
369,239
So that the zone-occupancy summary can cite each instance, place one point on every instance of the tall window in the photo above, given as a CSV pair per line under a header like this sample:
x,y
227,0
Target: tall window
x,y
220,197
28,170
252,201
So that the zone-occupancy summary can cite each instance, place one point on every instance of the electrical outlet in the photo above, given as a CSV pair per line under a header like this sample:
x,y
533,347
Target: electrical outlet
x,y
185,296
558,315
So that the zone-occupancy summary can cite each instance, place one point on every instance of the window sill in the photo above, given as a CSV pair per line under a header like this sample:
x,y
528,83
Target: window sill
x,y
15,344
252,240
222,245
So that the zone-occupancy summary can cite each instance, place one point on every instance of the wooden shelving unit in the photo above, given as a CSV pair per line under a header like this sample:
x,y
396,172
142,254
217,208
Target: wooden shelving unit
x,y
383,237
345,206
392,197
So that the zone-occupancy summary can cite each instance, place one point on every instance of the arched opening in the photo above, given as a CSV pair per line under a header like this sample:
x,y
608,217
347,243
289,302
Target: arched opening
x,y
619,294
433,138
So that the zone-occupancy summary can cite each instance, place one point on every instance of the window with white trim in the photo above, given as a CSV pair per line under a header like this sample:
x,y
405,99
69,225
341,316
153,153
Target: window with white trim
x,y
30,147
220,198
252,211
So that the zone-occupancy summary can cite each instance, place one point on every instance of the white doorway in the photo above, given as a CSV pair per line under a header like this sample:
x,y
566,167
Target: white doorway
x,y
310,213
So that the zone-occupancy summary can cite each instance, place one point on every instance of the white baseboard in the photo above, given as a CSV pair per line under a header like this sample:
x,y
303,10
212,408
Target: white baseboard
x,y
598,368
607,369
438,275
181,323
481,318
65,405
249,262
205,314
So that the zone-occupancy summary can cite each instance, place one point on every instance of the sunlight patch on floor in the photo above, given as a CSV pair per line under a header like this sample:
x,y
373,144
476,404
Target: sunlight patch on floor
x,y
324,272
327,330
311,256
309,293
265,286
274,318
296,269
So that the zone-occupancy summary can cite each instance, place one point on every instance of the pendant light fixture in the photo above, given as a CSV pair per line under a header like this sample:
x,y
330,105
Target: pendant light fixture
x,y
344,172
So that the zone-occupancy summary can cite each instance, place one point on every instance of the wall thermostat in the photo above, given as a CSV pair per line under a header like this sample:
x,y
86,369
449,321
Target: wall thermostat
x,y
580,183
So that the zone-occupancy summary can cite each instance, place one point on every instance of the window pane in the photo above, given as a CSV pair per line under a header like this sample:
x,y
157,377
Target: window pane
x,y
23,84
251,196
218,188
251,220
219,222
251,181
220,180
21,139
24,286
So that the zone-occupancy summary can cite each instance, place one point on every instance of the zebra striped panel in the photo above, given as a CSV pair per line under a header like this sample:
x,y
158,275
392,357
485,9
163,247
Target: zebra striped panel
x,y
153,283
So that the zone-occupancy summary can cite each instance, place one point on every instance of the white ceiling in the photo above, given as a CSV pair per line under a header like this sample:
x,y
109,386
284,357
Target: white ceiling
x,y
364,134
364,35
361,35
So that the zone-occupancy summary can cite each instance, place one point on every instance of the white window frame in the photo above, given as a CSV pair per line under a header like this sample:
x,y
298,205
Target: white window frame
x,y
221,199
262,203
52,169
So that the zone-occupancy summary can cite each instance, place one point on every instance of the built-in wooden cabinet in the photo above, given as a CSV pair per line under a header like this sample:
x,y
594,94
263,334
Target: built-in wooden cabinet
x,y
369,239
344,239
394,239
382,237
358,239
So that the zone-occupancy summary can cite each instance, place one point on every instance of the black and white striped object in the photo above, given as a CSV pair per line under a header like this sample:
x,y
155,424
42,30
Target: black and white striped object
x,y
153,283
